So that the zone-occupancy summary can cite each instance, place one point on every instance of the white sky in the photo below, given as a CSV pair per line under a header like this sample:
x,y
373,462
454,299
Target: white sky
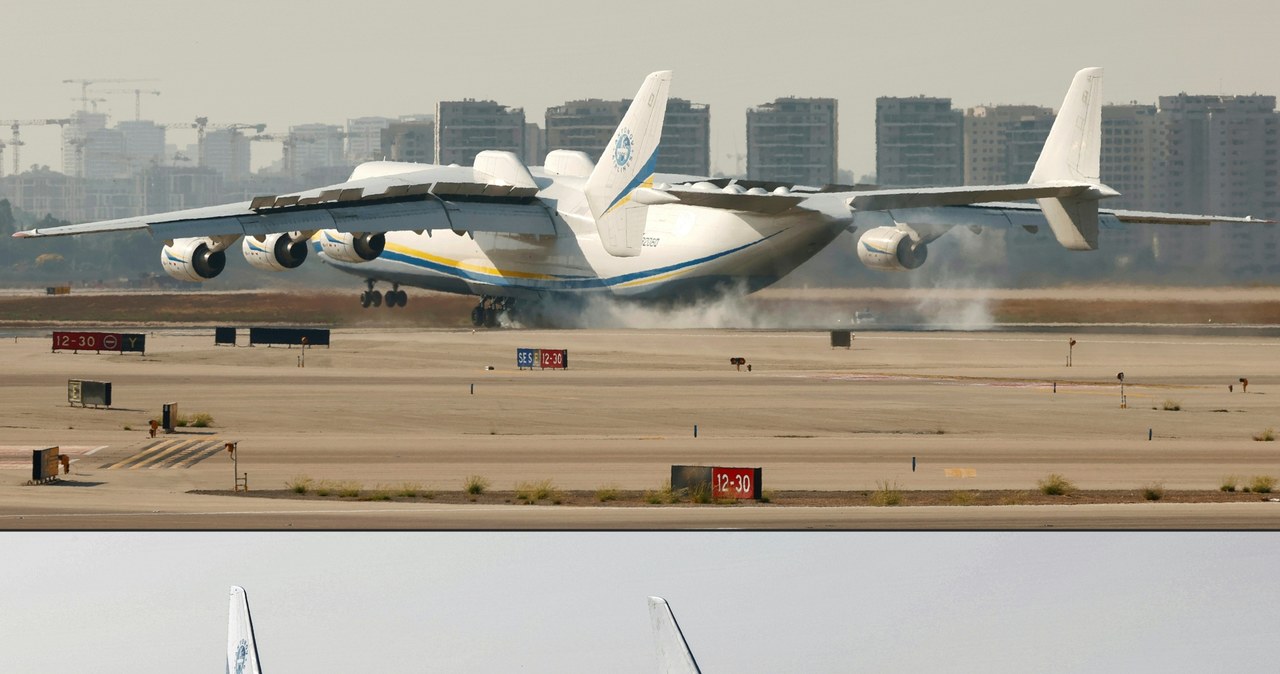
x,y
291,61
116,603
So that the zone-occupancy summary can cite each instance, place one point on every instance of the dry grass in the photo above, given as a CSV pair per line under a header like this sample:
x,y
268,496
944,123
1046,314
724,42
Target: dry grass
x,y
299,484
664,494
1262,484
475,484
350,489
607,493
1229,483
1153,491
962,497
886,494
1171,405
409,489
1268,435
532,492
1055,485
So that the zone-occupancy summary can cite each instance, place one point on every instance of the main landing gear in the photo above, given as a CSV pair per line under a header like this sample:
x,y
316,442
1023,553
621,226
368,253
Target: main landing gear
x,y
395,297
487,313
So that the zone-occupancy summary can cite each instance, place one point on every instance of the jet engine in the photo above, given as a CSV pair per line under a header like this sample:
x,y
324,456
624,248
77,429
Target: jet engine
x,y
890,249
276,252
352,247
195,259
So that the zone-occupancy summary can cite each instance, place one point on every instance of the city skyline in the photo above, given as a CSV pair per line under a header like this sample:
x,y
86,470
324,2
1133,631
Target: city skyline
x,y
199,76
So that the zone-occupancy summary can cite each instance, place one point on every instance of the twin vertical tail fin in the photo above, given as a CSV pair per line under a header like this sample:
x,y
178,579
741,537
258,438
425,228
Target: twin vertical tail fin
x,y
242,650
1072,154
628,162
674,656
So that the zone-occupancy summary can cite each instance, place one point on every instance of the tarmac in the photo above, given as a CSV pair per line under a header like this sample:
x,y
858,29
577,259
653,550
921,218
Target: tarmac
x,y
922,410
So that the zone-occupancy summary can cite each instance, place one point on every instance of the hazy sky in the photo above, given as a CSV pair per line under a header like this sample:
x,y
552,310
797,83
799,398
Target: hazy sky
x,y
575,602
291,62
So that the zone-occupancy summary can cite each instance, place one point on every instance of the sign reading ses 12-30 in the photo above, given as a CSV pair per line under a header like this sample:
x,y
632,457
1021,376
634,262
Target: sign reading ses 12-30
x,y
552,359
99,341
735,483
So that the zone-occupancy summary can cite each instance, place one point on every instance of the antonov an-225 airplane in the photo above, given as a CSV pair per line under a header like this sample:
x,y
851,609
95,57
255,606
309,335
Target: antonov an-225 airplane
x,y
520,238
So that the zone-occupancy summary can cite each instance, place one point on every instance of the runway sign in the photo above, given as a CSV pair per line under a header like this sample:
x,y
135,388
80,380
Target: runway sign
x,y
84,392
553,359
742,483
99,341
290,336
224,336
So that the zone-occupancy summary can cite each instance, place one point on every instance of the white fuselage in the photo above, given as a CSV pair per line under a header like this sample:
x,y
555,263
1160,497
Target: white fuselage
x,y
688,252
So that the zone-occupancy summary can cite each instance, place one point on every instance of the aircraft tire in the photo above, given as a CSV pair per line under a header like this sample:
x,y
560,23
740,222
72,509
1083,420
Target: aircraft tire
x,y
402,299
364,299
376,298
392,298
477,316
490,318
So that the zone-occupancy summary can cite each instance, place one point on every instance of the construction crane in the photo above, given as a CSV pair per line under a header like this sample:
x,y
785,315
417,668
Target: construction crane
x,y
91,101
85,84
16,141
137,98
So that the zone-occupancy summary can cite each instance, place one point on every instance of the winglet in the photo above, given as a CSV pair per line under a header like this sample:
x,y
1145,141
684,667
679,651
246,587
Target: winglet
x,y
242,649
674,656
628,162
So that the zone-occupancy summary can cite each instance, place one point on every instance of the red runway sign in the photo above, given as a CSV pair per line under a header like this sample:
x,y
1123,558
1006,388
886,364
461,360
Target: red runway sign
x,y
735,483
99,341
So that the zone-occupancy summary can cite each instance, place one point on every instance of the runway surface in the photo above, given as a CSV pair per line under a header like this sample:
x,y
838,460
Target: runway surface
x,y
385,408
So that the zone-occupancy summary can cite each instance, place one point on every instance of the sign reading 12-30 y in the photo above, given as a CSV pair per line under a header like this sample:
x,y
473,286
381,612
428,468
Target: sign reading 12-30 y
x,y
99,341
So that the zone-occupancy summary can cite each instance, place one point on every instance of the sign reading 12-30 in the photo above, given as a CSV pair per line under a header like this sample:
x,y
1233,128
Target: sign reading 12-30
x,y
735,483
99,341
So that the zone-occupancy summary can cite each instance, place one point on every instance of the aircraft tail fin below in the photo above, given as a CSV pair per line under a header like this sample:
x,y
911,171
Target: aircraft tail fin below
x,y
1072,153
628,162
242,649
674,656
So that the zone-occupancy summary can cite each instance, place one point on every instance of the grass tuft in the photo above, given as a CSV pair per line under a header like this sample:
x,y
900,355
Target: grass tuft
x,y
1229,483
607,493
963,497
476,484
326,488
409,489
1056,485
350,489
202,420
1262,484
766,496
379,493
1171,405
664,494
299,484
532,492
886,494
1153,491
1268,435
700,493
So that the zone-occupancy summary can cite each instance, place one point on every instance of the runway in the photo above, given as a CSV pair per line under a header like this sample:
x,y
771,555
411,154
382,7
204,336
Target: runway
x,y
385,408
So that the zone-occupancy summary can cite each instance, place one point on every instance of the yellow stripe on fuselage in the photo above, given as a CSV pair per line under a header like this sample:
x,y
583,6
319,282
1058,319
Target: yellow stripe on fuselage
x,y
458,264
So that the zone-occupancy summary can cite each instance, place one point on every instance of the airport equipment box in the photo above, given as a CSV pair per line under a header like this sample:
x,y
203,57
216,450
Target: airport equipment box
x,y
99,341
44,464
546,359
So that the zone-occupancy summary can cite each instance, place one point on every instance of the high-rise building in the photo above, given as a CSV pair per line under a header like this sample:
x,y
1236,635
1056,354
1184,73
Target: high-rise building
x,y
588,126
143,144
103,155
1002,142
364,138
227,152
315,146
74,138
412,138
535,144
1222,154
465,128
1133,149
793,140
919,142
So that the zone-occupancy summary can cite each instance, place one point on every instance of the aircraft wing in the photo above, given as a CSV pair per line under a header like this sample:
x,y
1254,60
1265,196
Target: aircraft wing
x,y
439,199
767,198
1113,217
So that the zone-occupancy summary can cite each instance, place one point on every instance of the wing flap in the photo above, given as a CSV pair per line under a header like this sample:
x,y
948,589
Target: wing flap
x,y
884,200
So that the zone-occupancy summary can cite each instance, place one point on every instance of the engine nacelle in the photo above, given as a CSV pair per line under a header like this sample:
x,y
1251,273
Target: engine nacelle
x,y
276,252
195,259
890,249
349,247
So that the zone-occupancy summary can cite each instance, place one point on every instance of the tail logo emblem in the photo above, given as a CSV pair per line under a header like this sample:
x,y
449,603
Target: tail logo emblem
x,y
242,654
623,150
